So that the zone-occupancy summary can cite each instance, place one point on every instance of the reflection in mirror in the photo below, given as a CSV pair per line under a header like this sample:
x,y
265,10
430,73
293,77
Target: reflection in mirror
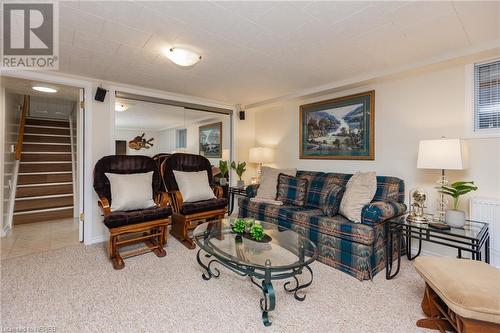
x,y
144,128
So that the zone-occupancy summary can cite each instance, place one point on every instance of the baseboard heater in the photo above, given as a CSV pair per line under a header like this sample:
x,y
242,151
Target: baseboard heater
x,y
488,210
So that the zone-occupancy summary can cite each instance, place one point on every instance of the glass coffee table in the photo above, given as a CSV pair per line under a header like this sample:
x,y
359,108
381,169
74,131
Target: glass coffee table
x,y
283,255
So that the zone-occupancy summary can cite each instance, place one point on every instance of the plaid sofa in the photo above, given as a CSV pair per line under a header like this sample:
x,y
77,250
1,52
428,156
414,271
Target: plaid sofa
x,y
354,248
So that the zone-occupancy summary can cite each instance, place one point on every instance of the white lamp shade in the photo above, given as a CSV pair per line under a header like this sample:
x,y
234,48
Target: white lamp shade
x,y
449,154
261,155
225,155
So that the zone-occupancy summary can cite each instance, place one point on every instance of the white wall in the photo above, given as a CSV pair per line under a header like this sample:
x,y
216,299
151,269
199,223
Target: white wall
x,y
9,116
426,105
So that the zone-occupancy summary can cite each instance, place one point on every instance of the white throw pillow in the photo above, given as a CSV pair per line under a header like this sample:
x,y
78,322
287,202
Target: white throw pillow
x,y
269,181
132,191
359,191
194,186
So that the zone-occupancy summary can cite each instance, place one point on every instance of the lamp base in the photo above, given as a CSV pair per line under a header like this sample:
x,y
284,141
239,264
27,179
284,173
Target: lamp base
x,y
442,202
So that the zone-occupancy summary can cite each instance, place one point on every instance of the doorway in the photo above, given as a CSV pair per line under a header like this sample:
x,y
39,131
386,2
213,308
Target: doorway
x,y
43,166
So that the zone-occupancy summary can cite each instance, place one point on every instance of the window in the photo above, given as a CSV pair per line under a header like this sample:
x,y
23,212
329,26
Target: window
x,y
180,138
487,97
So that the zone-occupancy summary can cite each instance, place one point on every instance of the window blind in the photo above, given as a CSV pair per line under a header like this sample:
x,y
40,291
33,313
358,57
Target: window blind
x,y
180,140
487,96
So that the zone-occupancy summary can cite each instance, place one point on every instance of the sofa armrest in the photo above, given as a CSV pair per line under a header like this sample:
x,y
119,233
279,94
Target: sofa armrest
x,y
379,211
251,190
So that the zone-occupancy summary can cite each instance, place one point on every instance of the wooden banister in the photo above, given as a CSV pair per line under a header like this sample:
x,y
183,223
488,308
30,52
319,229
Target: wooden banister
x,y
22,123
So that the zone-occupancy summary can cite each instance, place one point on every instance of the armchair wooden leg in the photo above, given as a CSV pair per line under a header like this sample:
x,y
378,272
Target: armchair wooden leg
x,y
180,229
116,259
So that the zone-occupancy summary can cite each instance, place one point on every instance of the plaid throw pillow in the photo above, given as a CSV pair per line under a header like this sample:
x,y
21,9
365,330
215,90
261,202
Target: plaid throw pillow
x,y
330,206
291,190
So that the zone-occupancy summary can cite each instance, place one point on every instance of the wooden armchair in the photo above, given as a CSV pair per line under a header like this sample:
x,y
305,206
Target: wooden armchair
x,y
185,213
129,227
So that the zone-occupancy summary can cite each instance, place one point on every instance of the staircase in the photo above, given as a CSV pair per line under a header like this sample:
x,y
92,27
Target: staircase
x,y
45,179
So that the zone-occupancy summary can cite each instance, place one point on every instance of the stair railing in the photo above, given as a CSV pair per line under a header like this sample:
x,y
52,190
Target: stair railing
x,y
22,123
15,174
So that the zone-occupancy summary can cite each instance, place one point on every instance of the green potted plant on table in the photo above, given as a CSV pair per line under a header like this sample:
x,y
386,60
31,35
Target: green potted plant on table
x,y
224,171
239,169
454,217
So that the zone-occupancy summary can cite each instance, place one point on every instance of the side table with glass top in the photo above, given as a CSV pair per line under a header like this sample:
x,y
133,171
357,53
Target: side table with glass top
x,y
232,191
474,237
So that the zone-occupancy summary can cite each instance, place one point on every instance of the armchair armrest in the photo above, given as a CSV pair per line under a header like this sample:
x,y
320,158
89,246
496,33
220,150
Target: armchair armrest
x,y
252,190
103,202
176,200
379,211
218,191
161,199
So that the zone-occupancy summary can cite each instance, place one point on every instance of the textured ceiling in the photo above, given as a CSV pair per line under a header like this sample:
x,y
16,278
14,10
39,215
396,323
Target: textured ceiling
x,y
254,51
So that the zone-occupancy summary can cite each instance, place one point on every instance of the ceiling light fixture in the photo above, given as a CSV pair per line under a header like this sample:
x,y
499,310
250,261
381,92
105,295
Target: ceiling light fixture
x,y
182,57
44,89
120,107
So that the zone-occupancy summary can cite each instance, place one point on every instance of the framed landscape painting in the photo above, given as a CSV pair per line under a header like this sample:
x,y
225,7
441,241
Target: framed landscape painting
x,y
210,137
339,129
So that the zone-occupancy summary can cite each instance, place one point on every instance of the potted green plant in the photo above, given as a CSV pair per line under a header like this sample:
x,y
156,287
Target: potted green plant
x,y
224,171
239,169
455,217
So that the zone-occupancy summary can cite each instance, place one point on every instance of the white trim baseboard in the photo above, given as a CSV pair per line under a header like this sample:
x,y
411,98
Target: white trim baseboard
x,y
98,239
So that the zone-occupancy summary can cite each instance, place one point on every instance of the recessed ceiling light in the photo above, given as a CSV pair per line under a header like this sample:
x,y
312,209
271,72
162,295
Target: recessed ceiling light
x,y
182,57
44,89
120,107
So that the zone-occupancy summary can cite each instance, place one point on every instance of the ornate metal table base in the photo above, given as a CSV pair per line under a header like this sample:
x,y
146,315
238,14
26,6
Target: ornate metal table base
x,y
268,301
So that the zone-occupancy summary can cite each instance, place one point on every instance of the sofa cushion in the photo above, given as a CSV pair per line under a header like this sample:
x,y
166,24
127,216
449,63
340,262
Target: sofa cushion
x,y
291,190
470,288
337,226
203,206
311,219
122,218
359,192
331,205
319,185
269,181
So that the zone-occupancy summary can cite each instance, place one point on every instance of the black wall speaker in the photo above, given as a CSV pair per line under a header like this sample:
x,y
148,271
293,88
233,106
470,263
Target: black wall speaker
x,y
100,94
242,115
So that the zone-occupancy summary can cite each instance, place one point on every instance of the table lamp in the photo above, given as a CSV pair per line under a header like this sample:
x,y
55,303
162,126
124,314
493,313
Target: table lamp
x,y
261,155
443,154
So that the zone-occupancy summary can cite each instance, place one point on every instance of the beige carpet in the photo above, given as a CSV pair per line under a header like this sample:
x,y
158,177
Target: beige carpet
x,y
76,290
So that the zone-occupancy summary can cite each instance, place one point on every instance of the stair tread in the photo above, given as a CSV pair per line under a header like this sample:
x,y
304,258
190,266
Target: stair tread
x,y
46,130
27,147
44,178
32,191
46,138
45,167
42,216
45,157
33,204
47,122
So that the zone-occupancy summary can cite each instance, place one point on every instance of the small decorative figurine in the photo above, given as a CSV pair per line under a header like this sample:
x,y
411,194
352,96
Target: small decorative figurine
x,y
140,142
417,205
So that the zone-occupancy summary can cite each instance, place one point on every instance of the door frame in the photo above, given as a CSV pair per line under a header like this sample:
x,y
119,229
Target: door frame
x,y
84,192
